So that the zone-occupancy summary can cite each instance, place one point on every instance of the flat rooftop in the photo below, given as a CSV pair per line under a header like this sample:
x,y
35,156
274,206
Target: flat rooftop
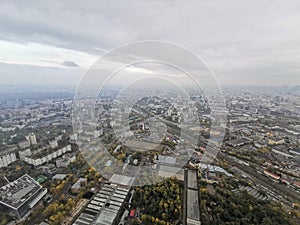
x,y
15,193
104,207
122,180
59,176
141,145
238,141
192,179
191,199
47,151
193,212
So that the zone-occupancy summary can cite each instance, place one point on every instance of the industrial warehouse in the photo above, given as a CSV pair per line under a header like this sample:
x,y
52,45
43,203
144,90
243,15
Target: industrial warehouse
x,y
105,207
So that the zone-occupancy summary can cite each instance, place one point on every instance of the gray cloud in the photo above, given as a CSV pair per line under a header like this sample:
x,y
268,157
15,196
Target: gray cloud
x,y
26,75
254,41
69,64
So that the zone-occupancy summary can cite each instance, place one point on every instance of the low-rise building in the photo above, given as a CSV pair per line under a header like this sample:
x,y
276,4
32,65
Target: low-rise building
x,y
239,142
49,169
20,196
295,151
276,141
65,160
105,208
53,144
272,175
81,182
296,184
59,176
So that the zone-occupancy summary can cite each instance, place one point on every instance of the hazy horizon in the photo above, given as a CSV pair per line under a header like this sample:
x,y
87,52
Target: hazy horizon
x,y
244,43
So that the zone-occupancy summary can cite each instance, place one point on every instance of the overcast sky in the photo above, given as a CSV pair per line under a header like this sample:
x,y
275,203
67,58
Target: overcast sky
x,y
243,42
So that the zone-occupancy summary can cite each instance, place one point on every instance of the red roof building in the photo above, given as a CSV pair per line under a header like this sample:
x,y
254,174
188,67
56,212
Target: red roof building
x,y
132,213
272,175
296,184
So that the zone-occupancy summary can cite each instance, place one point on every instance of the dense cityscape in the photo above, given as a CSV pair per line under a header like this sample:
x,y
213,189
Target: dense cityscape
x,y
255,178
